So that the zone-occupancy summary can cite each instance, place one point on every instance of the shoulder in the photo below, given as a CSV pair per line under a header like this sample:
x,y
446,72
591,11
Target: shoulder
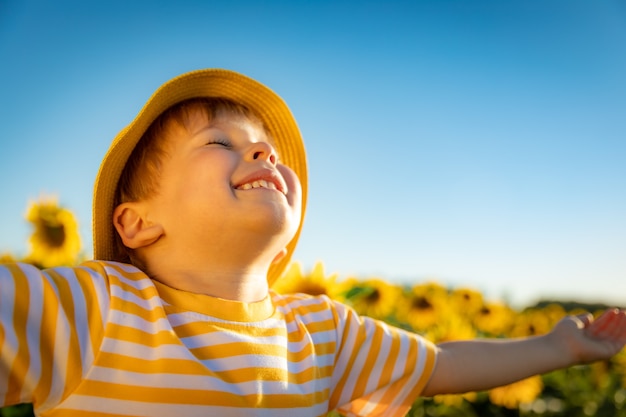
x,y
307,308
94,268
113,269
302,303
314,308
125,281
97,275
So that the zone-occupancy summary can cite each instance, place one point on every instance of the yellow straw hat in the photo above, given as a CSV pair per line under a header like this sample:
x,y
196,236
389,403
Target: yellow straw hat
x,y
201,83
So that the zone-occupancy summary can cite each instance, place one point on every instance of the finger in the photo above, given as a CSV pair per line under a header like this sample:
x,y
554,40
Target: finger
x,y
609,325
605,318
586,319
617,327
615,331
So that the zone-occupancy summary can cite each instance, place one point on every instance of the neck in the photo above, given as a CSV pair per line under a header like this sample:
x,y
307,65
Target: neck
x,y
213,269
235,286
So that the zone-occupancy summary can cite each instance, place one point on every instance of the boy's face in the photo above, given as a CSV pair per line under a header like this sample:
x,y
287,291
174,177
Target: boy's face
x,y
221,185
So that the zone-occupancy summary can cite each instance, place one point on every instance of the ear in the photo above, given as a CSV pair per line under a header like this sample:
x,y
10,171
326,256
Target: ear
x,y
280,256
133,228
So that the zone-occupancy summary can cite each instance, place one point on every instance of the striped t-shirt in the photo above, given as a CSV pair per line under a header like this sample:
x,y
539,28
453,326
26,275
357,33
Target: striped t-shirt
x,y
103,339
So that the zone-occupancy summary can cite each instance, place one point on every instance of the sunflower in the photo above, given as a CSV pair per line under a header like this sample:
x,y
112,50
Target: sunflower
x,y
315,283
466,301
424,306
449,327
55,240
531,322
6,258
373,297
554,312
455,400
521,392
494,319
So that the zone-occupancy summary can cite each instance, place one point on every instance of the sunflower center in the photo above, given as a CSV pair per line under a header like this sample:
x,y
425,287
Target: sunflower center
x,y
373,296
314,289
421,303
54,235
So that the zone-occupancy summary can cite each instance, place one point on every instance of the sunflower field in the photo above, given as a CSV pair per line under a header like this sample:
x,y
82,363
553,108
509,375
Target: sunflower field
x,y
431,309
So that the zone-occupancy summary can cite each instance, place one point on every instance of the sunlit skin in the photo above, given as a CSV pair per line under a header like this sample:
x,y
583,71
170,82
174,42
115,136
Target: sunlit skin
x,y
206,231
476,365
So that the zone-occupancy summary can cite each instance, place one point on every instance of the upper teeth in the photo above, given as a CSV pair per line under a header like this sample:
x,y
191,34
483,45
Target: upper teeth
x,y
258,184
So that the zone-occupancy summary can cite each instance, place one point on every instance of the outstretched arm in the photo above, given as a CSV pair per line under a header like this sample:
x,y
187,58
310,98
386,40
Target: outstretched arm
x,y
476,365
49,322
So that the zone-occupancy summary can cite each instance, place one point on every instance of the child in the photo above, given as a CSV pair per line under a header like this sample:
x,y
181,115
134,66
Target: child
x,y
197,208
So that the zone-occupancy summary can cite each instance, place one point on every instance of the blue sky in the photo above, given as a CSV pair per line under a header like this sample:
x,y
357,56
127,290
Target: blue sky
x,y
477,143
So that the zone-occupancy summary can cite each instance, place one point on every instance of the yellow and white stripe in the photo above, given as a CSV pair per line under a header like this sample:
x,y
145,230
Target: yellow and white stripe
x,y
103,339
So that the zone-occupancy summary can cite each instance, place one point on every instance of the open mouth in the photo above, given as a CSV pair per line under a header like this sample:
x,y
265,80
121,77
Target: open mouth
x,y
270,182
258,184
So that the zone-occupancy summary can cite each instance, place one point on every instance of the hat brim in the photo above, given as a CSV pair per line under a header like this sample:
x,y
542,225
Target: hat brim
x,y
201,83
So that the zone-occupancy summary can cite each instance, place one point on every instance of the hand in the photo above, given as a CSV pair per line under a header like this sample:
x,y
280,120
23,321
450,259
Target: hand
x,y
588,340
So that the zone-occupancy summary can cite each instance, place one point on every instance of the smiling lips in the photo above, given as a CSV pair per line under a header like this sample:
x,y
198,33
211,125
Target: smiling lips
x,y
271,182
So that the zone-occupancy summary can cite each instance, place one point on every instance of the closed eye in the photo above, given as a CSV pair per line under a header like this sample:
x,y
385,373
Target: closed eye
x,y
222,142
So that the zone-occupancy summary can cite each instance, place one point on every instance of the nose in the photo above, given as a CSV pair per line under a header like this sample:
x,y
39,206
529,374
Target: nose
x,y
263,151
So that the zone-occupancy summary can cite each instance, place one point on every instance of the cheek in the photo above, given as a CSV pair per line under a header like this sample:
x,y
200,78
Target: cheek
x,y
204,177
294,194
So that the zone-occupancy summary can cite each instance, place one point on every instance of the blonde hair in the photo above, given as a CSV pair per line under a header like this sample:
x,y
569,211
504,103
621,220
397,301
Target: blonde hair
x,y
141,174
